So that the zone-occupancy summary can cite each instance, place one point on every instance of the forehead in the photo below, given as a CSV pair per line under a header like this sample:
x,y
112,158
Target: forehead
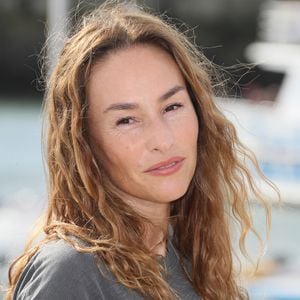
x,y
135,73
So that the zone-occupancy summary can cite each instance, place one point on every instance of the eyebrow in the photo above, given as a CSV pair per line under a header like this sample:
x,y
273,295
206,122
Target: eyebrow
x,y
130,106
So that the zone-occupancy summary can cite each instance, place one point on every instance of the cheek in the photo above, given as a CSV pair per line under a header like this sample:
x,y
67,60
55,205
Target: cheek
x,y
187,129
195,130
121,155
116,152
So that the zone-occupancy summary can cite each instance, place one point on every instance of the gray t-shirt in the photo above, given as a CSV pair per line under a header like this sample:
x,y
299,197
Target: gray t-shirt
x,y
59,272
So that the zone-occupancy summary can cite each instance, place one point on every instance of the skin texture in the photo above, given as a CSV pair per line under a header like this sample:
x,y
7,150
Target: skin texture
x,y
130,139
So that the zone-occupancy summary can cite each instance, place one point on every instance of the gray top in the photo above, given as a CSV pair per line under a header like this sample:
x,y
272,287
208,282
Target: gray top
x,y
59,272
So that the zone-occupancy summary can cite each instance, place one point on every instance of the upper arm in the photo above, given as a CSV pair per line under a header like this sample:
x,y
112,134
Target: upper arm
x,y
63,274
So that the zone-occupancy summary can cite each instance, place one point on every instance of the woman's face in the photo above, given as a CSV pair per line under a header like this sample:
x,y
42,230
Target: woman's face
x,y
142,124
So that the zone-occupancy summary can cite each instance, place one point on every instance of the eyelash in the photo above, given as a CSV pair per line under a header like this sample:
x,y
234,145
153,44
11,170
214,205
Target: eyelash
x,y
125,121
172,105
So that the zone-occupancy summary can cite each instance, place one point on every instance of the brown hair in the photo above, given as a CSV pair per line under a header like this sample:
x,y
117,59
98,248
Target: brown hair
x,y
83,204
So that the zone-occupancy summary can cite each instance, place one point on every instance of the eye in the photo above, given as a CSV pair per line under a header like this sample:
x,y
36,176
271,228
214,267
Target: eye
x,y
174,106
125,121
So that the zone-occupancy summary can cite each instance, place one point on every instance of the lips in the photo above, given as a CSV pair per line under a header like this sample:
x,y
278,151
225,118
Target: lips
x,y
164,165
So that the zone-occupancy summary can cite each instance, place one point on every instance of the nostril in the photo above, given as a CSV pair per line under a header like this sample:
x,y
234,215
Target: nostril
x,y
159,137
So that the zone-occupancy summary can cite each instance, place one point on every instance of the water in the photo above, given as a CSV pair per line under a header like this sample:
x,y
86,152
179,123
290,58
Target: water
x,y
22,186
22,199
20,149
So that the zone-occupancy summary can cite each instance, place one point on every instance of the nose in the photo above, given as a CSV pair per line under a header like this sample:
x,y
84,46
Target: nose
x,y
160,137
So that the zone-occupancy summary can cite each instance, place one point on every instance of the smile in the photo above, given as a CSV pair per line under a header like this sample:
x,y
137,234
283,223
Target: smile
x,y
165,168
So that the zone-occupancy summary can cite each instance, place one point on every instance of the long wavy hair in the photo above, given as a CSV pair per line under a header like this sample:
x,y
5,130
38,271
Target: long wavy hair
x,y
83,203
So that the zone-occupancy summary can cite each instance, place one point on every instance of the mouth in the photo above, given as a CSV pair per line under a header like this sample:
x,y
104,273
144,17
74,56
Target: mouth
x,y
167,167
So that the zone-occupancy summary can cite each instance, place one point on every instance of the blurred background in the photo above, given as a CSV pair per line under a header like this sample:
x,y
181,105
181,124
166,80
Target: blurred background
x,y
261,38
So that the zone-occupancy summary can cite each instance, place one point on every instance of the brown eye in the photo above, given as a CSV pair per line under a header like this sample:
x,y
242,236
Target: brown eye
x,y
125,121
174,106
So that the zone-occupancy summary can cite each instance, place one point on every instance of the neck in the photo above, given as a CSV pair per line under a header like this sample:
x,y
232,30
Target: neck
x,y
156,238
156,233
158,213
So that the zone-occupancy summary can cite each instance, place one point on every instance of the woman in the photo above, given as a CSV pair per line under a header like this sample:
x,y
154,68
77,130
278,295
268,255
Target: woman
x,y
145,172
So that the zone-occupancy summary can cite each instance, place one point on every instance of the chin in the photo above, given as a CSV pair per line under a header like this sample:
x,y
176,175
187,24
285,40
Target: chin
x,y
172,194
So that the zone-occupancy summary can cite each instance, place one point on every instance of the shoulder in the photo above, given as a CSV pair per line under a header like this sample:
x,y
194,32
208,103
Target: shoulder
x,y
58,271
63,257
